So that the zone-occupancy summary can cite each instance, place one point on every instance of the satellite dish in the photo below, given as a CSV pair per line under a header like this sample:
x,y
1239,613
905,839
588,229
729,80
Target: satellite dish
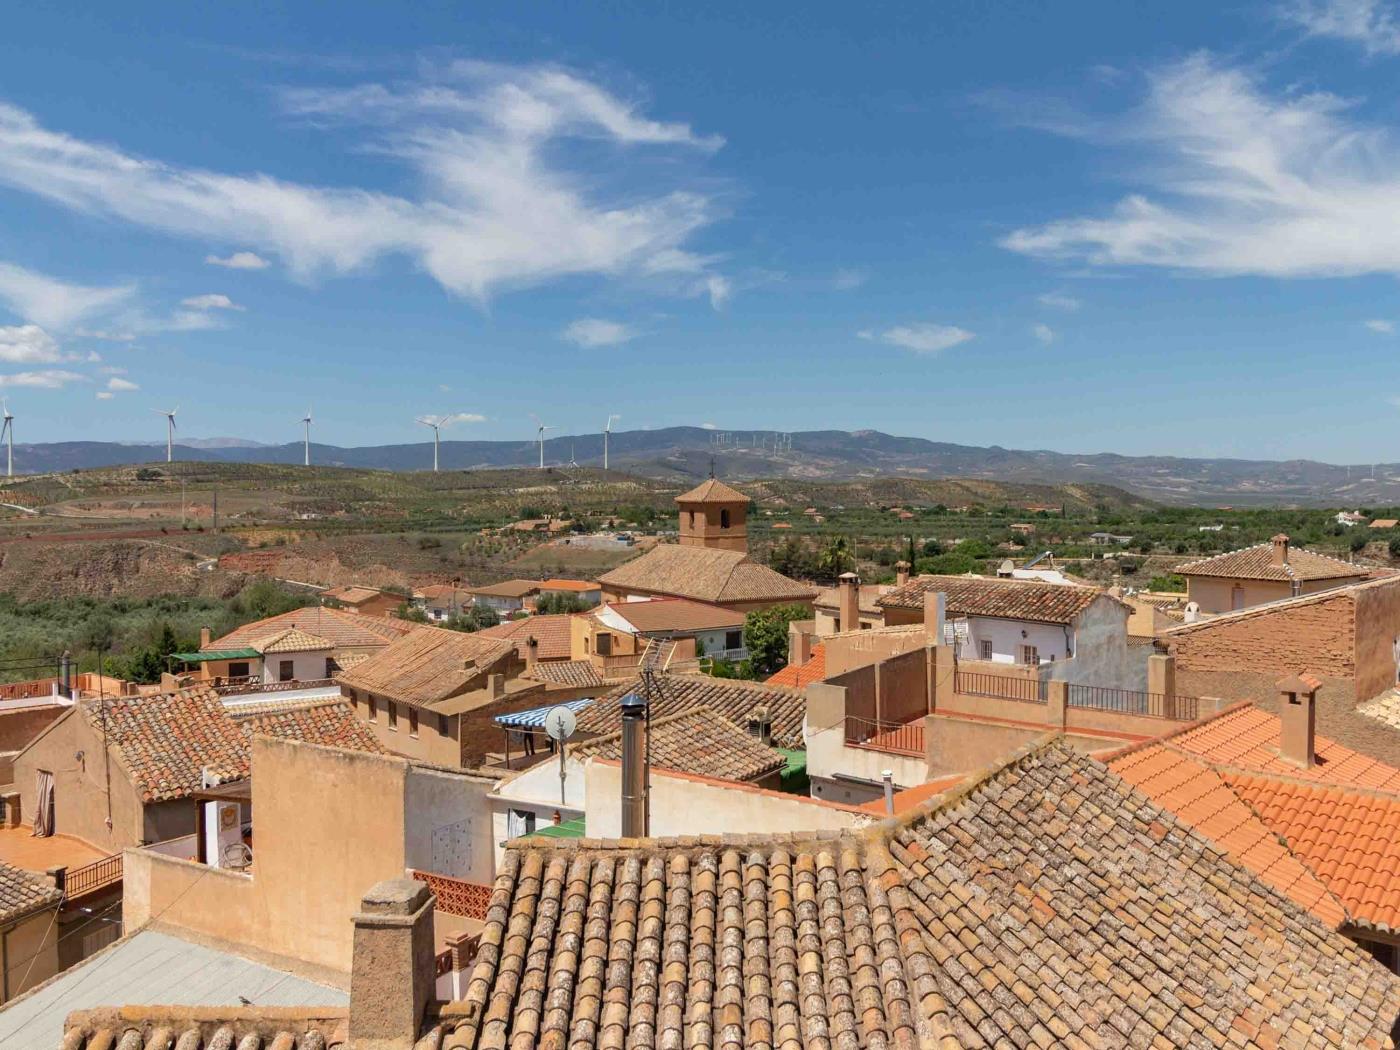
x,y
560,723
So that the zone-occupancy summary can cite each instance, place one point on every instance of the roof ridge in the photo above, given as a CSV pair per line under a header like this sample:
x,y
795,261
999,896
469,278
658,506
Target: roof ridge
x,y
1164,738
1294,780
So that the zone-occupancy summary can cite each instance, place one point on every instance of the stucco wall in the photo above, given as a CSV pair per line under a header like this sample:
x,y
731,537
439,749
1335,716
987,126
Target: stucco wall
x,y
30,951
447,824
1007,636
1216,595
684,805
80,785
1102,655
1377,626
956,745
19,727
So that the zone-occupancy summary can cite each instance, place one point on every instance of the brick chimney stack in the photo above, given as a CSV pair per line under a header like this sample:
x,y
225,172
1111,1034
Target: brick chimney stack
x,y
1280,543
1298,719
205,637
901,573
848,605
391,968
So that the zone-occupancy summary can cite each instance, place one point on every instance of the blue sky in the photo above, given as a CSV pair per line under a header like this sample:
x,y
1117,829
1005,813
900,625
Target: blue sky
x,y
1101,226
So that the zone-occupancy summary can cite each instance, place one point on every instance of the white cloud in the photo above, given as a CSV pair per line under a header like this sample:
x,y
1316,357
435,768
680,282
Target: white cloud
x,y
590,332
1246,183
51,378
462,417
117,384
105,395
498,205
848,280
30,345
50,302
1371,24
106,335
210,302
1044,333
112,370
720,290
239,261
1059,301
708,426
1382,327
921,337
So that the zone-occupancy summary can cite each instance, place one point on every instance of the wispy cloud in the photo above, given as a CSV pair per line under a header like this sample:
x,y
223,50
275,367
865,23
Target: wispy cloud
x,y
49,378
1059,301
105,395
1380,326
921,337
848,280
489,145
30,345
1245,182
1370,24
1043,333
210,302
591,332
708,426
239,261
116,384
50,302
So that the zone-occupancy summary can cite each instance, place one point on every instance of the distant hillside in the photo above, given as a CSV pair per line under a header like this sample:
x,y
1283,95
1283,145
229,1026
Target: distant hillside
x,y
682,453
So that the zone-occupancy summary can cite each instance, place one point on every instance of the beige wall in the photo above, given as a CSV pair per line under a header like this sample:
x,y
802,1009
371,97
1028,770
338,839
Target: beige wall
x,y
29,950
1215,595
1377,626
80,785
957,745
429,745
327,824
685,805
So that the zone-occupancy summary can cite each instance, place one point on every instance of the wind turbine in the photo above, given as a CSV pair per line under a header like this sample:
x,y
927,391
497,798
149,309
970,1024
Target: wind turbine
x,y
306,441
436,424
169,431
8,432
541,428
607,430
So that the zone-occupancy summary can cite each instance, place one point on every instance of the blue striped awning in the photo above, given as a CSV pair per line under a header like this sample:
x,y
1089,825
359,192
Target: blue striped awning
x,y
534,718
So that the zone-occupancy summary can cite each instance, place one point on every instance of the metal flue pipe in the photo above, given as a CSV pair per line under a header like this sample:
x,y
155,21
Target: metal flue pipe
x,y
634,766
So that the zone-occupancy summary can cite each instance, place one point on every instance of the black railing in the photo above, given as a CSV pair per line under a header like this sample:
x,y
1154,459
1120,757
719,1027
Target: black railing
x,y
1000,686
78,882
1133,702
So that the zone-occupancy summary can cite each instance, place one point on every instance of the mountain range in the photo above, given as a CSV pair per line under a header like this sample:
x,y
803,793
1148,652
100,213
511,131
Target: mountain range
x,y
692,452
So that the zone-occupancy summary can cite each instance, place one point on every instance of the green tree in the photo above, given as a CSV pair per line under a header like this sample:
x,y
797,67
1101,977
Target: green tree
x,y
561,603
766,636
835,558
1395,547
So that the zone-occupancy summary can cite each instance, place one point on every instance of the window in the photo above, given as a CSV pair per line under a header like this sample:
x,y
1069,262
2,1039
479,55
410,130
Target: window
x,y
690,519
733,639
985,648
1236,598
373,715
285,671
520,822
724,518
413,721
1388,955
442,725
393,716
238,670
604,645
1030,655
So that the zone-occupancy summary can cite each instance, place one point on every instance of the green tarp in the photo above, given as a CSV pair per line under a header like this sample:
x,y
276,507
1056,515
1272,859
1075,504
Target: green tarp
x,y
217,654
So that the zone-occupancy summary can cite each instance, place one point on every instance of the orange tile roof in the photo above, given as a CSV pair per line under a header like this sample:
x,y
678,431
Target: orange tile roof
x,y
706,574
354,593
293,640
338,626
660,615
800,676
1350,838
909,798
1257,563
1200,797
1247,737
712,490
428,666
550,630
569,585
1030,600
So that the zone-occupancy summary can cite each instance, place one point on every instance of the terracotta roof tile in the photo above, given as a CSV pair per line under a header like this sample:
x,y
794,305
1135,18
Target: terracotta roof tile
x,y
428,666
23,892
707,575
568,585
329,724
1257,563
1350,838
508,589
551,631
1044,904
731,698
800,676
293,640
700,741
1200,797
661,615
712,490
1005,599
1248,738
340,626
352,593
577,673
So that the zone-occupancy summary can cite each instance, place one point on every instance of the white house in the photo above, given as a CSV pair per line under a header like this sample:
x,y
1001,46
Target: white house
x,y
718,631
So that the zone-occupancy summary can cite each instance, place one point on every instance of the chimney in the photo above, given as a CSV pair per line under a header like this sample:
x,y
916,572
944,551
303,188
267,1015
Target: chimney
x,y
935,617
205,637
761,724
887,776
1298,719
497,684
634,766
901,573
799,644
391,969
1280,543
848,604
532,652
